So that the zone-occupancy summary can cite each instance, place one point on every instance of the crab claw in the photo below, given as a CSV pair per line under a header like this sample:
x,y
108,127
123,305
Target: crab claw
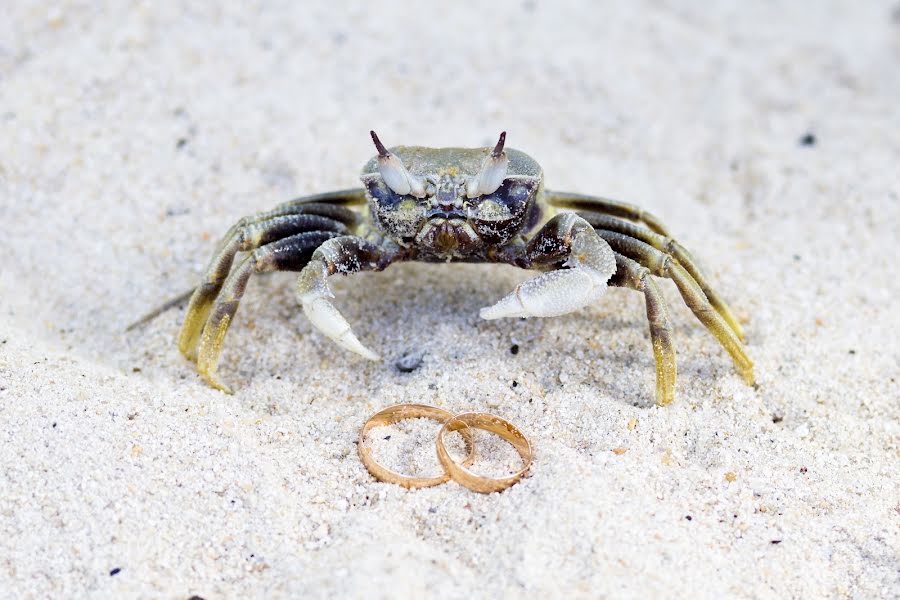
x,y
591,263
314,295
548,295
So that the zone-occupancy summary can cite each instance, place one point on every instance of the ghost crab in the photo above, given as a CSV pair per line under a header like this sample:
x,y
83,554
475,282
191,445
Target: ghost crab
x,y
458,204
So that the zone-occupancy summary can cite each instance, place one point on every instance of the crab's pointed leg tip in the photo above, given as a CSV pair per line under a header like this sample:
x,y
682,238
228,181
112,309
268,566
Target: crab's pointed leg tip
x,y
665,398
215,382
749,376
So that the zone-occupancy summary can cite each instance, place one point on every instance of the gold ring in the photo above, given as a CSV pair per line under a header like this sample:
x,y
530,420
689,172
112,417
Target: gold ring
x,y
494,424
399,412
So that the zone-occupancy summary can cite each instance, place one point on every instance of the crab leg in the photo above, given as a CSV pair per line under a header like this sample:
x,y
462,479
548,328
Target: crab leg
x,y
566,240
630,274
289,254
675,250
325,205
606,206
344,255
663,265
248,235
331,204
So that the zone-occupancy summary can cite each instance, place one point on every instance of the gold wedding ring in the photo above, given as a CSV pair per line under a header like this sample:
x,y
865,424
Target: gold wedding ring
x,y
488,422
399,412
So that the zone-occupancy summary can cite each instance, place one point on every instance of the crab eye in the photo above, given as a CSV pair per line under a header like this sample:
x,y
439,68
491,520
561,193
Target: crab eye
x,y
398,215
498,216
492,173
395,174
510,199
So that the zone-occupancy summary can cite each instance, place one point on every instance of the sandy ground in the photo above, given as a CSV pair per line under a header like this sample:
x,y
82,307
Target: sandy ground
x,y
131,137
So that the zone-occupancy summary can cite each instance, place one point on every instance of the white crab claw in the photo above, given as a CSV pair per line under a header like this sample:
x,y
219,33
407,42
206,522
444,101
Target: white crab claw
x,y
314,293
327,319
591,263
492,173
548,295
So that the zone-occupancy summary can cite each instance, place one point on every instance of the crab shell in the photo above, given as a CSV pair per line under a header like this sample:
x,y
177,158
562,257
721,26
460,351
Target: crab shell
x,y
445,224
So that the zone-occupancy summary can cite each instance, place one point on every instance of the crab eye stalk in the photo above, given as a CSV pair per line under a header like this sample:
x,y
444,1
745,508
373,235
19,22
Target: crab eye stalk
x,y
395,174
492,173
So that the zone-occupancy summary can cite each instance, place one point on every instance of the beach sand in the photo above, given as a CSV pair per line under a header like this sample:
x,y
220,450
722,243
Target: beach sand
x,y
765,136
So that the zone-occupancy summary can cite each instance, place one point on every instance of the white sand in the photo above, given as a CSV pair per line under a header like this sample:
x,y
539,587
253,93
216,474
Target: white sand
x,y
114,455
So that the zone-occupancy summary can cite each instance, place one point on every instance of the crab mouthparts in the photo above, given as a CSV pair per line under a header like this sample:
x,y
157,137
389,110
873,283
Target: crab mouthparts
x,y
447,235
446,213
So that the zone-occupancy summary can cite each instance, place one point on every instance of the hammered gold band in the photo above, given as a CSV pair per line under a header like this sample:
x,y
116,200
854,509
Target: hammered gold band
x,y
399,412
488,422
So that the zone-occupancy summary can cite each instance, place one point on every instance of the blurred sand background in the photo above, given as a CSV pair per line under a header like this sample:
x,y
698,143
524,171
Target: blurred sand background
x,y
767,135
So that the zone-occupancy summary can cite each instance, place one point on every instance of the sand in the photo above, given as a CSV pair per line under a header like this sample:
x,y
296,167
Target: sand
x,y
765,135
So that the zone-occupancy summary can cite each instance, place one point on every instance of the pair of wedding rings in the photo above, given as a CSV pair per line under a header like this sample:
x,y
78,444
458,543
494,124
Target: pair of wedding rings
x,y
457,471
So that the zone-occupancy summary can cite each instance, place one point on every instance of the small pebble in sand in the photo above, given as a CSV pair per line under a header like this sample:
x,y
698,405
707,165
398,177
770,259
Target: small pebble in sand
x,y
410,361
808,140
730,476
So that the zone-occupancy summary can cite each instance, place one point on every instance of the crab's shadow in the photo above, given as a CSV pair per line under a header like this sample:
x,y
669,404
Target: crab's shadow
x,y
433,309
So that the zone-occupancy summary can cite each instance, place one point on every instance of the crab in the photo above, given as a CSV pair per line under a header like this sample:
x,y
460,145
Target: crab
x,y
481,205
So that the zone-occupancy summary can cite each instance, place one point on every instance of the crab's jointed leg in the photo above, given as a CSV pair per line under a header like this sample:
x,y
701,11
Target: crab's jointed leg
x,y
248,234
289,254
608,207
624,218
631,275
663,265
329,204
671,247
344,255
566,240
